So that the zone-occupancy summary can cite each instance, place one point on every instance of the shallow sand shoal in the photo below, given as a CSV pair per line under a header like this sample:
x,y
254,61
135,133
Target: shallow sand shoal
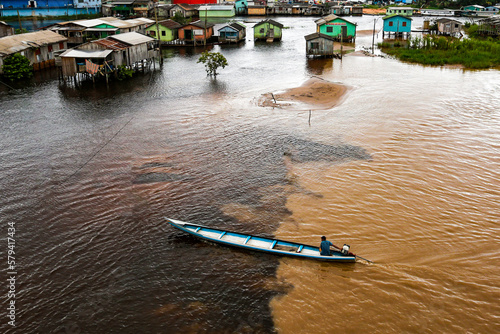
x,y
314,91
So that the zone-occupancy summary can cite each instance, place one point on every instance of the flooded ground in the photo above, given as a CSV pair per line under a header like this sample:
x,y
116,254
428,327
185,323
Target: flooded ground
x,y
405,170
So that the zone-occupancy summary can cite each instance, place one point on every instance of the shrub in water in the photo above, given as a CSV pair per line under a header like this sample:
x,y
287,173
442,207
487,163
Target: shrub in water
x,y
17,67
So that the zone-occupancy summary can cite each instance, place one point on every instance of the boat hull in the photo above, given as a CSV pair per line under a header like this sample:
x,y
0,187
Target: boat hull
x,y
261,244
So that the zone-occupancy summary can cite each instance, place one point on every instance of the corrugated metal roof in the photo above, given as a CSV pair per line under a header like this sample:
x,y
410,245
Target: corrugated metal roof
x,y
89,23
234,26
86,53
17,43
200,24
325,19
170,24
274,23
126,23
132,38
215,7
101,29
318,35
111,44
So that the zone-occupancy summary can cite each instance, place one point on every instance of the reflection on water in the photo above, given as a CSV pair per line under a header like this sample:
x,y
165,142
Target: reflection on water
x,y
407,177
317,66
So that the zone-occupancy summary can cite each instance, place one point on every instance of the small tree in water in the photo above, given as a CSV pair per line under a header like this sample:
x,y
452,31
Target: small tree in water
x,y
212,61
17,67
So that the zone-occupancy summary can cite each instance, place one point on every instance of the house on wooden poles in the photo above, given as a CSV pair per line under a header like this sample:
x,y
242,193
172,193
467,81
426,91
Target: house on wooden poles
x,y
268,30
6,29
39,47
338,28
184,10
449,27
82,31
396,25
489,27
167,30
132,50
196,33
232,33
319,45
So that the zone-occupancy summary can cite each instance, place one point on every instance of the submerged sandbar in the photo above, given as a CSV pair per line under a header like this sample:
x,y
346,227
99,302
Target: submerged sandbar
x,y
315,91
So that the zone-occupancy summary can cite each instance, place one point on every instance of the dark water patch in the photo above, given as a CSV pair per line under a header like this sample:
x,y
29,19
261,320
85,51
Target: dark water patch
x,y
155,164
301,150
153,177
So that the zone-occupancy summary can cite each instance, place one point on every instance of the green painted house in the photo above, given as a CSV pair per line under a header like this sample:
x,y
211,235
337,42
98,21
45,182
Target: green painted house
x,y
336,27
403,11
207,11
268,30
102,30
166,28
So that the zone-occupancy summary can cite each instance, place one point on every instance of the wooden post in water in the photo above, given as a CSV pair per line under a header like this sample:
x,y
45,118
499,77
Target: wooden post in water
x,y
205,31
373,37
19,19
341,41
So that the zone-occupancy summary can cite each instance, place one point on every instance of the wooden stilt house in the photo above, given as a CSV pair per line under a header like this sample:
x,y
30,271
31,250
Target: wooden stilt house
x,y
232,33
268,30
397,26
338,28
319,45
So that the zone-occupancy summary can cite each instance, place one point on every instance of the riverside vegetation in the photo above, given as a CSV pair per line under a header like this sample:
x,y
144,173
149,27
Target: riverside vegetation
x,y
472,53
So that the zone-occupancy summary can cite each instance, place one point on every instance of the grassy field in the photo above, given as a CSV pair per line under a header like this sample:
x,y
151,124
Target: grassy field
x,y
434,50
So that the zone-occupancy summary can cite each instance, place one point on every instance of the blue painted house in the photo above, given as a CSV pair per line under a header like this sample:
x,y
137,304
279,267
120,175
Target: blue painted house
x,y
49,7
397,25
232,33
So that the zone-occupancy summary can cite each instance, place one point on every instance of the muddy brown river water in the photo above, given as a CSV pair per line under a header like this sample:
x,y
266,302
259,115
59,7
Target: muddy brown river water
x,y
406,170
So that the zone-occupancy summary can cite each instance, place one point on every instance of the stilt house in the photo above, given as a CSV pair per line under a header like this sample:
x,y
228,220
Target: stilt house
x,y
232,33
449,27
268,30
397,25
130,49
196,33
338,28
319,45
38,47
166,28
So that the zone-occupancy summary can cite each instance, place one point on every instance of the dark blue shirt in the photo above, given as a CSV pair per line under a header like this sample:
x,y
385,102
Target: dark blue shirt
x,y
325,247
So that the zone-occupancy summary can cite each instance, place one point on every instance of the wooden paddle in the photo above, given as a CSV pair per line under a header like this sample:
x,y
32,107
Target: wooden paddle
x,y
362,258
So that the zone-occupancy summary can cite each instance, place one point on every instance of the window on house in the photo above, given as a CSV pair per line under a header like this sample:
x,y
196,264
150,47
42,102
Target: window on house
x,y
329,29
391,24
163,33
404,24
261,30
152,33
314,45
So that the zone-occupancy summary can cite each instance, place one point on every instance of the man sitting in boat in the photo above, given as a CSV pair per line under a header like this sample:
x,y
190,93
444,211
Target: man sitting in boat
x,y
324,247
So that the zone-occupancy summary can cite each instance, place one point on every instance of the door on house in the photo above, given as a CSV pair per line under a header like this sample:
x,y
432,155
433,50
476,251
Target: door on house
x,y
344,32
188,35
271,33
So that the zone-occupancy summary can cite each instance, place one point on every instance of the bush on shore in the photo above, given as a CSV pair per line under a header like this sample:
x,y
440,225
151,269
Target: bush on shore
x,y
439,50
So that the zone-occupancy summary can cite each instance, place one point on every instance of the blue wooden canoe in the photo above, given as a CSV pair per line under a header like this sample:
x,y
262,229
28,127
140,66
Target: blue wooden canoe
x,y
268,245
